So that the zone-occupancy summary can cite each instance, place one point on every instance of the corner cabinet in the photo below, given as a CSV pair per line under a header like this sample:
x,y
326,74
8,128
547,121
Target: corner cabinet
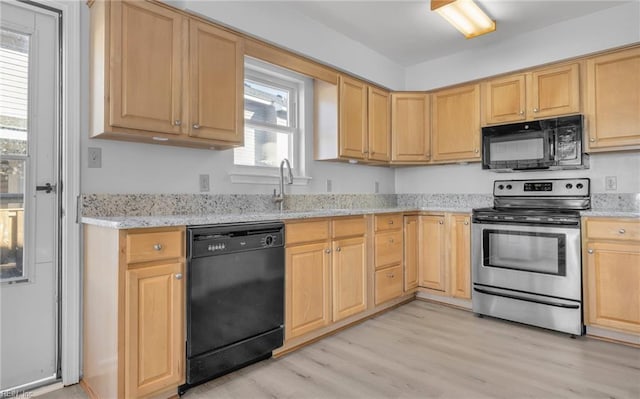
x,y
158,75
612,275
541,93
410,128
133,343
613,101
455,124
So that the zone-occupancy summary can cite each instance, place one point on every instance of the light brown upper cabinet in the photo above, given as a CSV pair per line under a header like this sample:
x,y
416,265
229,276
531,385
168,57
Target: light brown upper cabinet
x,y
352,121
613,101
158,75
409,128
455,124
541,93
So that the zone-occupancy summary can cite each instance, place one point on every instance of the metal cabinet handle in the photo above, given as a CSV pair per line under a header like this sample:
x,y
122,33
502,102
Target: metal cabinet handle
x,y
157,247
390,240
196,126
476,150
390,221
592,140
178,276
327,251
390,275
590,251
177,122
441,222
466,222
338,249
522,112
622,231
535,110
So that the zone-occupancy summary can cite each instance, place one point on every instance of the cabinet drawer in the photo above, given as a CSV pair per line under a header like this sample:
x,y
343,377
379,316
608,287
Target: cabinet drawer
x,y
388,222
349,227
613,229
317,230
388,284
388,248
151,246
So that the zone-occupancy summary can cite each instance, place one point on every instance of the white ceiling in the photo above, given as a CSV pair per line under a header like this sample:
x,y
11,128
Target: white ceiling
x,y
408,32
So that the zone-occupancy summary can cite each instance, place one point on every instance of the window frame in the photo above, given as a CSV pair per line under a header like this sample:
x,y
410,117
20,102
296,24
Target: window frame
x,y
278,78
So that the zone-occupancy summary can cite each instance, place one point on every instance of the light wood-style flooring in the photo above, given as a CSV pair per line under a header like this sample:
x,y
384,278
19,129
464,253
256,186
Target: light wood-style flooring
x,y
427,350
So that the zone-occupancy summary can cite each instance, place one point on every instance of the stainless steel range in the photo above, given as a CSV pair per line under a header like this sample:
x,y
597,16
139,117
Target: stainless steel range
x,y
526,253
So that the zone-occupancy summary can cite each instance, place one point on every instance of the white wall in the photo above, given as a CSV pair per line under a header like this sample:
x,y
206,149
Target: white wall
x,y
613,27
471,178
274,22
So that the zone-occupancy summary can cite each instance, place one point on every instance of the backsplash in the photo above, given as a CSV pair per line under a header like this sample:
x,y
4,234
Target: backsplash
x,y
109,205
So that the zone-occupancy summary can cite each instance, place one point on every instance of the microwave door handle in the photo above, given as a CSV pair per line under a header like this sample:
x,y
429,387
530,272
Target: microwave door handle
x,y
552,147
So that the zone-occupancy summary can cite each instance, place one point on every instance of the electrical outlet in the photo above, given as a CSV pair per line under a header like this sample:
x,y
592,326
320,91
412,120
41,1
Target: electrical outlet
x,y
204,183
329,185
377,188
610,183
95,157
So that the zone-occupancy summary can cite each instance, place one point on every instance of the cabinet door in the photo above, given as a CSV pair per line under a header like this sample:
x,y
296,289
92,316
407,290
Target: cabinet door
x,y
307,288
555,91
613,100
613,286
504,99
455,124
388,284
379,105
217,88
460,255
349,277
411,240
146,67
432,260
154,325
353,118
410,127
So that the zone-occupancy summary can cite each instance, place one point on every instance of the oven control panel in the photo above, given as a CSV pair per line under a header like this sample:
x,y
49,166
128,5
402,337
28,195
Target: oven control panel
x,y
542,188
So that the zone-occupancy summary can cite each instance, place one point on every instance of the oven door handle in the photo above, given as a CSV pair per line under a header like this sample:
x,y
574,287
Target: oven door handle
x,y
510,296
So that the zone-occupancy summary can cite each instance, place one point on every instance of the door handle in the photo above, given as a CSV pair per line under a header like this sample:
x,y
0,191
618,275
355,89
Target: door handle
x,y
47,188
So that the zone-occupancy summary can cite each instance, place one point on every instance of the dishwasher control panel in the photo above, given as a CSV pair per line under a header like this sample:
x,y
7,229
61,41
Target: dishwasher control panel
x,y
224,239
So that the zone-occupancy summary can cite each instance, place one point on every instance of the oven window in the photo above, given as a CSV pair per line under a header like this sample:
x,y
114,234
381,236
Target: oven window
x,y
526,251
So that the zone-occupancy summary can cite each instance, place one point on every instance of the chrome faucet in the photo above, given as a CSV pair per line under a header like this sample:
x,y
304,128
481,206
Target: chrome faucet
x,y
279,198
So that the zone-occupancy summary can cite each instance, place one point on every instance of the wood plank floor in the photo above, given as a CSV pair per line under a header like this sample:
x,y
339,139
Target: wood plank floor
x,y
426,350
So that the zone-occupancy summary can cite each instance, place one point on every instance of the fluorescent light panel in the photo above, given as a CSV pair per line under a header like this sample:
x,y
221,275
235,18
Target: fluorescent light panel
x,y
464,15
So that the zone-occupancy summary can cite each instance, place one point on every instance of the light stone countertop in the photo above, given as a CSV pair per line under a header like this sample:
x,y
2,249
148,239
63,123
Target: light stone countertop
x,y
132,222
612,213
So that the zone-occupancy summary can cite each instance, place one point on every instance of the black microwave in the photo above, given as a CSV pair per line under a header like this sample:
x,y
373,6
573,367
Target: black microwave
x,y
551,144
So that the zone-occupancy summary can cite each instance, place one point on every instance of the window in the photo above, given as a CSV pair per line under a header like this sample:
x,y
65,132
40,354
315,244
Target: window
x,y
273,122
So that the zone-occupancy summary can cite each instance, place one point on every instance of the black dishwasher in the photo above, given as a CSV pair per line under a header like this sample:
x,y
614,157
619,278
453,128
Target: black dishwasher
x,y
235,297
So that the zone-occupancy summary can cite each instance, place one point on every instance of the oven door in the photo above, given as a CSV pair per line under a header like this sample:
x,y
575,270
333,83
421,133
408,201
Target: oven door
x,y
529,258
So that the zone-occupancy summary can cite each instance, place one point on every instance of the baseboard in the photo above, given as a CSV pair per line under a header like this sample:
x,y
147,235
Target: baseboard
x,y
613,336
456,302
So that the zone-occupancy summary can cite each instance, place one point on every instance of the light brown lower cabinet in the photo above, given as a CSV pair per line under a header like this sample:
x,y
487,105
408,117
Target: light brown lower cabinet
x,y
388,257
326,273
612,274
444,254
133,342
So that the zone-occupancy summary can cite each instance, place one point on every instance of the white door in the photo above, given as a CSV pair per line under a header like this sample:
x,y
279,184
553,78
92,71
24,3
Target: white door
x,y
29,217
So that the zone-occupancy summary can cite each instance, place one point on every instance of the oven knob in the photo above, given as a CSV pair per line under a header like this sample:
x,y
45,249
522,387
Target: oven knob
x,y
579,186
509,187
500,187
569,186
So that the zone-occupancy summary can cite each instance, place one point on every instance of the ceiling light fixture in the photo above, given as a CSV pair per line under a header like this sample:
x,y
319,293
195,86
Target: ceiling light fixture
x,y
464,15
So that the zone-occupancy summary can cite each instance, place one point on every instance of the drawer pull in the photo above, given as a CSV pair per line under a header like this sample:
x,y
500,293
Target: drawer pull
x,y
441,222
178,276
390,221
338,249
157,247
327,251
590,251
622,231
390,275
391,240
